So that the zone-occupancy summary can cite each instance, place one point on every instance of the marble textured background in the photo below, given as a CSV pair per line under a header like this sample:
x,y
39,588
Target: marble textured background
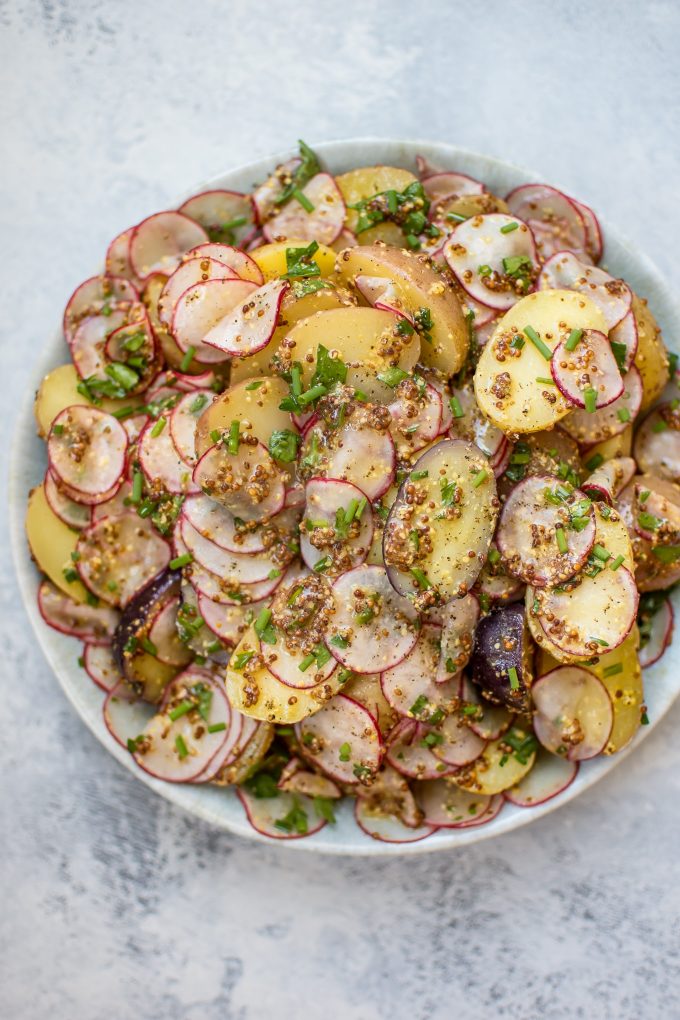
x,y
115,903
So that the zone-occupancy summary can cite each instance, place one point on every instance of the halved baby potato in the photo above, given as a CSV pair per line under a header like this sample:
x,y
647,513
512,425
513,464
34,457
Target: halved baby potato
x,y
513,385
52,544
59,389
365,182
246,402
418,286
500,765
271,258
651,357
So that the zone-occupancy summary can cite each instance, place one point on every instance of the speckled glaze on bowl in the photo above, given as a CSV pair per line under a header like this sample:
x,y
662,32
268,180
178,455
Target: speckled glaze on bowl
x,y
221,807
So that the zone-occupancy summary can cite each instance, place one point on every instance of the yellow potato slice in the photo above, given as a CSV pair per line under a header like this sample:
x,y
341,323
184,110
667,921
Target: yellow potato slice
x,y
616,446
52,543
151,676
506,385
366,339
271,258
365,182
496,769
258,693
418,285
258,406
651,357
59,390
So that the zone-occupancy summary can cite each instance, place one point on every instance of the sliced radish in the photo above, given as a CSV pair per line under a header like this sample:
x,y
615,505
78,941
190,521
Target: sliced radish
x,y
459,619
267,195
658,634
657,443
158,242
381,292
594,242
250,326
495,583
125,716
488,721
101,666
221,591
607,481
224,215
235,259
296,779
554,218
590,370
657,517
373,628
118,556
232,567
89,340
624,340
342,739
591,616
94,624
76,515
449,807
474,427
546,531
115,504
363,456
417,416
326,530
228,623
184,419
142,357
118,257
98,295
387,828
415,687
550,776
160,461
188,274
86,449
229,750
588,429
482,315
285,816
323,222
495,268
410,753
164,637
574,713
563,271
248,482
203,307
448,184
460,745
215,522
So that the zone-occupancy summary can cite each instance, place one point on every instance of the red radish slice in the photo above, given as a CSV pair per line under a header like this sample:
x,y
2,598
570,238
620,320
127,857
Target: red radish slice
x,y
417,416
164,637
235,259
296,814
184,419
498,585
501,462
373,628
381,292
296,779
535,534
449,807
594,243
479,243
160,461
93,501
188,274
484,333
574,713
266,196
409,752
322,223
86,449
624,339
590,368
228,623
95,295
124,715
89,340
175,381
178,750
228,750
325,529
101,666
657,443
387,828
593,617
224,215
415,687
234,568
445,397
342,739
459,620
554,218
76,515
219,590
607,481
248,483
118,257
473,426
447,184
288,665
257,242
201,308
134,426
158,242
550,776
362,456
482,315
588,429
216,523
95,624
489,721
251,325
119,556
461,745
563,271
139,333
390,789
660,630
661,526
115,504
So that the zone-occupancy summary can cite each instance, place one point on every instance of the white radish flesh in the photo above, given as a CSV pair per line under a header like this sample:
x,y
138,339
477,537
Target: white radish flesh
x,y
222,214
659,634
574,713
235,259
323,222
606,422
160,460
94,295
295,814
203,307
588,371
657,443
416,687
188,274
449,807
410,753
325,529
183,422
624,340
158,242
86,449
94,624
550,776
362,456
247,482
342,739
554,218
496,266
119,556
76,515
101,666
387,828
564,271
250,326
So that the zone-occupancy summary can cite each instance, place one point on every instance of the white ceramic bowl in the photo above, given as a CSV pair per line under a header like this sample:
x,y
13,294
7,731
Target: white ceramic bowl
x,y
221,807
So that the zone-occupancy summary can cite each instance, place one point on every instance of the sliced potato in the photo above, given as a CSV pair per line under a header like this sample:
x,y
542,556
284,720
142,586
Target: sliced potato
x,y
365,182
625,689
366,339
256,692
616,446
271,258
52,542
259,406
151,676
418,286
612,534
59,389
651,357
499,766
507,383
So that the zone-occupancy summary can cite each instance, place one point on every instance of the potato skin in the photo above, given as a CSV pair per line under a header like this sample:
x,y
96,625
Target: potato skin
x,y
502,642
651,357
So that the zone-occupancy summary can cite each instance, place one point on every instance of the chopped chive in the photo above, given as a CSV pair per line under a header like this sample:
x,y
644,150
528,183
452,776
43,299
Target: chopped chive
x,y
180,561
545,380
595,461
616,563
509,227
644,719
182,709
623,414
187,359
415,476
339,641
667,553
421,578
300,197
158,427
513,678
612,670
644,496
137,483
494,556
255,385
455,217
217,727
242,659
148,646
392,376
312,394
216,435
180,746
479,478
198,404
573,340
648,521
590,399
234,437
344,752
561,540
601,553
599,641
517,342
307,662
659,426
262,621
457,410
531,333
323,564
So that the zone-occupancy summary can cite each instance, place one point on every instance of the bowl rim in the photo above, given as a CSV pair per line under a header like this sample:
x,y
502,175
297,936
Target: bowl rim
x,y
197,800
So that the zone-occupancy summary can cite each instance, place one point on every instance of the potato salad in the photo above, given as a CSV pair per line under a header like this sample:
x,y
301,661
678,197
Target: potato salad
x,y
363,486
